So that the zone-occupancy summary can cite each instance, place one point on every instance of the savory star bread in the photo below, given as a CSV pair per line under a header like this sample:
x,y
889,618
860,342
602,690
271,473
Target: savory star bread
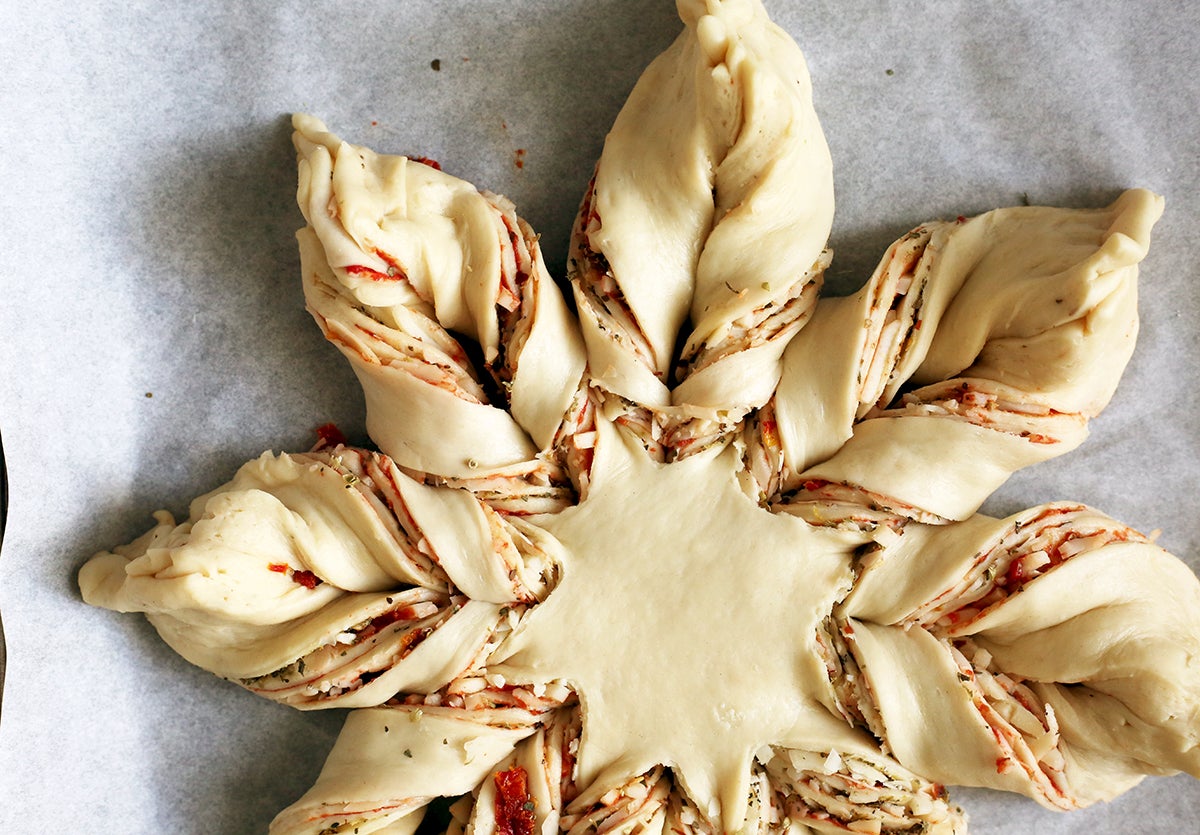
x,y
677,545
643,530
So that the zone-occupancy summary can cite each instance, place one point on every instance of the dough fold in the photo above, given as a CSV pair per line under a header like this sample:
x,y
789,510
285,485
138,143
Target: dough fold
x,y
389,762
400,260
705,224
1011,329
328,578
1051,653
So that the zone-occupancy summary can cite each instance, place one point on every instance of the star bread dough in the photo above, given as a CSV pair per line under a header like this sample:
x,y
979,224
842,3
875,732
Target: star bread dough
x,y
676,545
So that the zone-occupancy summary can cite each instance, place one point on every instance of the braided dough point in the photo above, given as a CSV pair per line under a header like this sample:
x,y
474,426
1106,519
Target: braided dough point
x,y
1018,322
399,256
722,217
326,579
1050,653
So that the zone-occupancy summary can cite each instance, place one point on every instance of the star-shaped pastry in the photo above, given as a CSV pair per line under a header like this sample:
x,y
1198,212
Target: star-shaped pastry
x,y
676,545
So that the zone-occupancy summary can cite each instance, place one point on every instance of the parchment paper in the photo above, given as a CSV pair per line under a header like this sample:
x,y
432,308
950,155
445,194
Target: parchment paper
x,y
154,336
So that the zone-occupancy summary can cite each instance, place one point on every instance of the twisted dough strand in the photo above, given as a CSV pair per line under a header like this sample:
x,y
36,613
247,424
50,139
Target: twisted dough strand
x,y
398,258
1017,324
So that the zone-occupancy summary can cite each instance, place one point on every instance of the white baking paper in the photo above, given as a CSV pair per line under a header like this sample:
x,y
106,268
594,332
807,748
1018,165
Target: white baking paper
x,y
153,334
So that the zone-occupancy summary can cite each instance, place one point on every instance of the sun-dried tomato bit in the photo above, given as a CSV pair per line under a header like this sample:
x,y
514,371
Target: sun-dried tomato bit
x,y
306,579
329,435
514,806
770,432
300,576
363,271
404,613
1015,577
395,272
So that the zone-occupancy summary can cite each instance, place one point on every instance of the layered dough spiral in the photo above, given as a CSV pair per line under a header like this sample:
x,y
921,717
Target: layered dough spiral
x,y
1008,331
690,407
713,235
1054,647
401,261
329,579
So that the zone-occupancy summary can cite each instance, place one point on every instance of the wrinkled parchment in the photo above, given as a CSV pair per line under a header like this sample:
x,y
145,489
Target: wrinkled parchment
x,y
153,335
